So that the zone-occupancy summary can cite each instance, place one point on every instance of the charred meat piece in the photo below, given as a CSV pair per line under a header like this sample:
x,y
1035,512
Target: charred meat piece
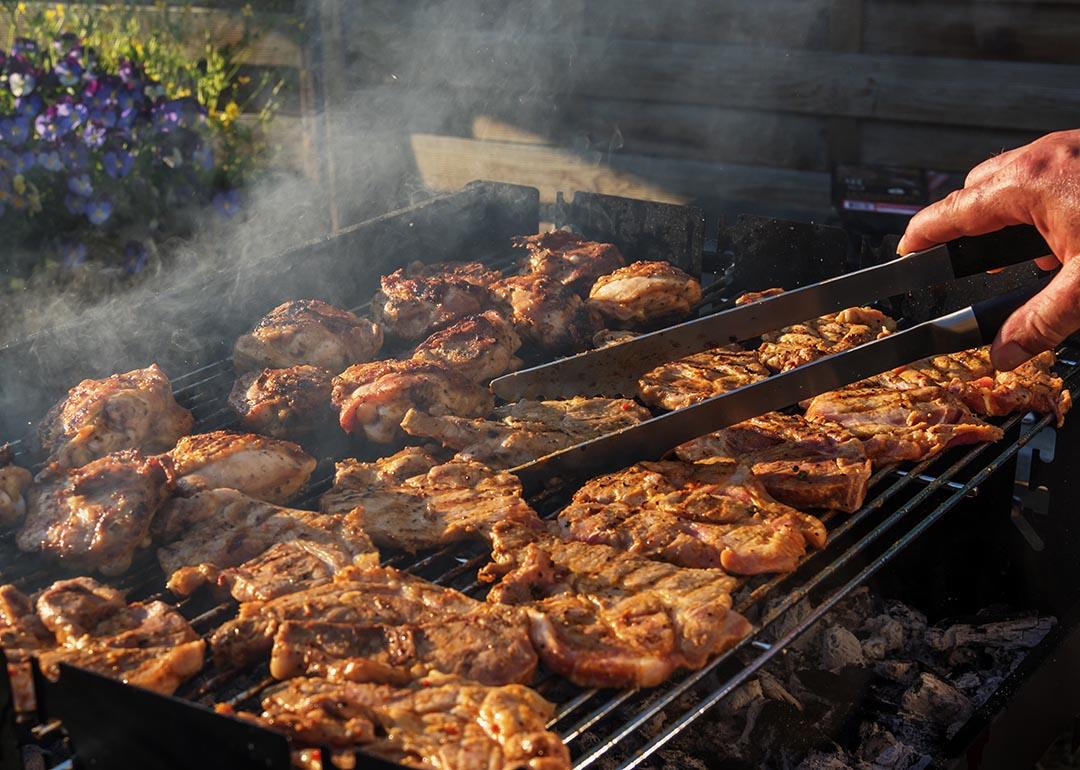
x,y
896,425
442,723
518,433
570,259
547,314
252,548
458,500
686,381
14,482
643,293
413,302
481,346
603,618
135,410
265,468
714,514
801,464
374,397
606,337
285,403
22,634
96,516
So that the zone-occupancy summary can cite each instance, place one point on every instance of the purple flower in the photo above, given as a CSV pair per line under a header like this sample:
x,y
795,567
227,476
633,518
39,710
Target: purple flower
x,y
105,117
128,71
227,203
128,99
16,130
204,157
50,161
7,159
80,185
74,204
99,94
24,161
28,106
117,164
72,255
68,71
135,257
94,135
74,156
99,211
23,46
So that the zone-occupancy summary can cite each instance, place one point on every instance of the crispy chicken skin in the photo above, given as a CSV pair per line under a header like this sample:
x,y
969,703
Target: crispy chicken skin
x,y
265,468
570,259
307,331
285,403
134,410
547,314
412,303
14,482
686,381
374,397
97,516
645,292
603,618
480,346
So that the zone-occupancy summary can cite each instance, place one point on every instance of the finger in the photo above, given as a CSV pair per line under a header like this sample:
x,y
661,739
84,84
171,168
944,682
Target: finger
x,y
989,167
1048,263
971,211
1041,324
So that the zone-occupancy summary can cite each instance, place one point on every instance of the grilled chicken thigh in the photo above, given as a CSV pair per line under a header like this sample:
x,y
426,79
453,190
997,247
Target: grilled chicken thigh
x,y
481,346
686,381
603,618
285,403
265,468
13,484
569,259
645,292
135,410
22,634
307,331
96,516
412,303
374,397
518,433
547,313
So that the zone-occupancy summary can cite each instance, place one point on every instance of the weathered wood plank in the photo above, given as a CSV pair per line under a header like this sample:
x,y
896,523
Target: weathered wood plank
x,y
948,148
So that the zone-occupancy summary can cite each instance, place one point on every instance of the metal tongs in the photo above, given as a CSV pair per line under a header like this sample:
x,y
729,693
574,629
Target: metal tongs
x,y
615,370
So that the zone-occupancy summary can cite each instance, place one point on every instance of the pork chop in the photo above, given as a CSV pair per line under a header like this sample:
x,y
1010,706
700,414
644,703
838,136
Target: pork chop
x,y
688,380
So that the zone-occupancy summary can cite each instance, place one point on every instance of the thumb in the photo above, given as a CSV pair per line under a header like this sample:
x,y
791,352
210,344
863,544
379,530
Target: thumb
x,y
1041,324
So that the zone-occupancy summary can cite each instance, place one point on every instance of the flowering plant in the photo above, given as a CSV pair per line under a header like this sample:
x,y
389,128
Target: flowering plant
x,y
110,138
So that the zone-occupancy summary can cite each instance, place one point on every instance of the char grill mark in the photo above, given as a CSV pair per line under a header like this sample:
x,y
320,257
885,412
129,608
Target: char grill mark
x,y
414,302
569,259
480,346
285,403
547,313
686,381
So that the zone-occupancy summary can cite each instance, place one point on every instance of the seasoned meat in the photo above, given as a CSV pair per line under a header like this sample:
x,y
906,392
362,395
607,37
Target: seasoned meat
x,y
265,468
570,259
364,599
896,425
458,500
801,464
14,482
22,634
374,397
603,618
525,430
252,548
714,514
72,609
547,314
473,272
686,381
481,346
96,516
285,403
441,723
645,292
135,410
606,337
307,331
414,302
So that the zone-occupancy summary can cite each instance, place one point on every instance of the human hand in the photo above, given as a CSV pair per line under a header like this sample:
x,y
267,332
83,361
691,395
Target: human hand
x,y
1038,184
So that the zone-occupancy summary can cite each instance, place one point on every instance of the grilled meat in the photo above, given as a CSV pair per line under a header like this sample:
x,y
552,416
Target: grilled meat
x,y
643,293
606,337
481,346
443,723
896,425
14,482
714,514
801,464
265,468
416,301
374,397
603,618
546,313
252,548
569,259
285,403
525,430
680,383
96,516
458,500
307,331
135,410
22,634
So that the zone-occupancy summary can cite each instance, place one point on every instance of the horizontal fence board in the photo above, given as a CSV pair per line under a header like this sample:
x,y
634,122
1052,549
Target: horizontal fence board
x,y
945,148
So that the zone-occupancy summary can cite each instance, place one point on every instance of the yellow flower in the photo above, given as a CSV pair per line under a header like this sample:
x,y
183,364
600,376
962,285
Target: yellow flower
x,y
21,7
230,113
181,93
18,184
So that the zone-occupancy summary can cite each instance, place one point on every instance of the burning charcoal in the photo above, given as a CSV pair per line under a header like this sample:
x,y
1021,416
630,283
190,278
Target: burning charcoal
x,y
818,761
888,633
1022,633
840,648
881,750
937,702
913,621
899,671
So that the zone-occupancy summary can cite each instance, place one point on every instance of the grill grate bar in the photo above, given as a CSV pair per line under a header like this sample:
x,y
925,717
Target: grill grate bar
x,y
599,713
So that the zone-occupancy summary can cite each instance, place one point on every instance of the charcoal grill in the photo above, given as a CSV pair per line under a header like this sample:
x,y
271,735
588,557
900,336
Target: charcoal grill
x,y
110,725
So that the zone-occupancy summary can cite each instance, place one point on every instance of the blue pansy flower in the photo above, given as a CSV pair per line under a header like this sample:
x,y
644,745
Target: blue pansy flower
x,y
45,126
80,185
99,211
94,135
28,106
16,130
135,256
50,161
24,161
75,204
227,202
105,117
73,254
68,71
74,156
7,159
128,99
23,46
118,164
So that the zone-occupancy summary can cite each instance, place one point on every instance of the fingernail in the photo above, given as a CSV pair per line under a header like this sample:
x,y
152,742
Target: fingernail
x,y
1009,356
900,246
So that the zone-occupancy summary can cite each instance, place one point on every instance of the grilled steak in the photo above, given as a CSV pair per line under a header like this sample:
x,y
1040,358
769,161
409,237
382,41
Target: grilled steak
x,y
480,346
680,383
135,410
255,549
603,618
714,514
412,303
285,403
442,723
643,293
96,516
458,500
547,313
307,332
569,259
265,468
525,430
14,482
801,464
